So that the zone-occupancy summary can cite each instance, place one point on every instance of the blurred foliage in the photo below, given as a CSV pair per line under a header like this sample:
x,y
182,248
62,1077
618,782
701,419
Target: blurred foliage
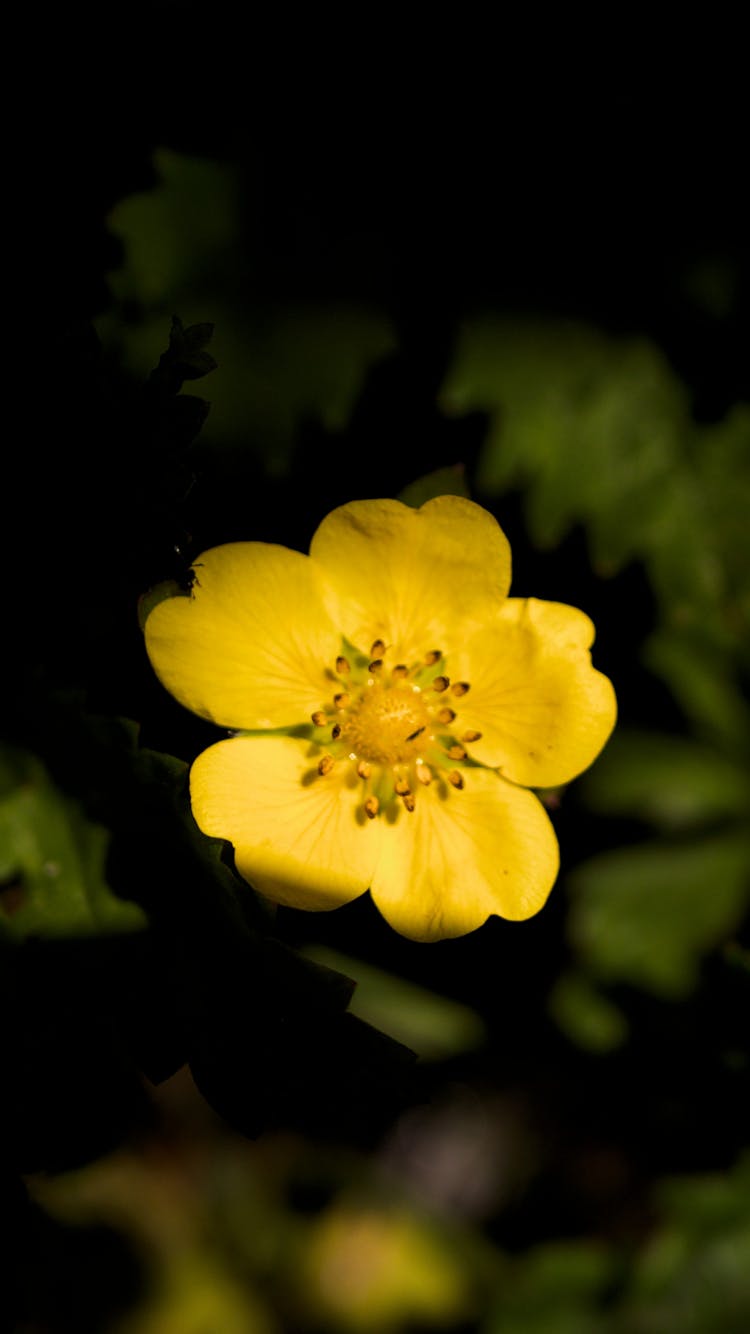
x,y
280,363
226,1241
431,1025
52,861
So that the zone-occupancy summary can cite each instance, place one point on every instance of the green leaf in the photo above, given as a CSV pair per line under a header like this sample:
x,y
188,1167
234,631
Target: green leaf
x,y
431,1025
671,781
703,679
52,861
588,424
443,482
585,1015
647,914
279,366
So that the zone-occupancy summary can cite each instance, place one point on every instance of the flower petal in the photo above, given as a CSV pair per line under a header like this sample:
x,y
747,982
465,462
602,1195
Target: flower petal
x,y
413,578
461,856
249,647
299,838
543,710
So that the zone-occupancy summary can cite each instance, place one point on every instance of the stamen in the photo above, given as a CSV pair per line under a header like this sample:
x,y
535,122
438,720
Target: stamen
x,y
446,716
441,683
378,649
460,687
408,801
325,764
413,735
402,787
432,657
343,666
376,666
342,700
457,752
319,717
471,735
336,732
456,778
400,672
424,774
364,769
372,805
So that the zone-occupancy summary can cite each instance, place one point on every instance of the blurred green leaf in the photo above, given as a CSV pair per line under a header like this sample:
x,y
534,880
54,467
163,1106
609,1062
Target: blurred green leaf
x,y
671,781
554,1289
647,914
585,1015
588,424
278,365
693,1275
52,860
431,1025
704,682
443,482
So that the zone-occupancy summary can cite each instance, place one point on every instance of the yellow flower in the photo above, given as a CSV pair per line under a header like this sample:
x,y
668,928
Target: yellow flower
x,y
392,705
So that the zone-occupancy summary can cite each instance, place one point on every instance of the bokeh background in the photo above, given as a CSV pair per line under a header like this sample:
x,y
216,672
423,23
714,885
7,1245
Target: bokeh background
x,y
254,294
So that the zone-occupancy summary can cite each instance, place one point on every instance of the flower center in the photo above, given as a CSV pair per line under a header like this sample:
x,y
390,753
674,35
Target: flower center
x,y
386,724
396,726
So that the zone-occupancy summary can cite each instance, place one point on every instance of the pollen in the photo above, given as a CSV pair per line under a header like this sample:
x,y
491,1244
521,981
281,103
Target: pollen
x,y
385,726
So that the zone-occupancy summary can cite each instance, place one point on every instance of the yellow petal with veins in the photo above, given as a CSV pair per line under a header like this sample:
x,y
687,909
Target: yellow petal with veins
x,y
414,578
249,647
543,710
299,838
461,856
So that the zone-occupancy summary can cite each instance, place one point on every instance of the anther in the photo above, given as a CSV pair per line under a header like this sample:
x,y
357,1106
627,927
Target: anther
x,y
441,683
432,657
319,717
375,666
424,774
325,764
372,806
445,716
342,666
336,732
455,778
460,687
457,752
413,735
471,735
400,672
408,801
364,769
378,649
342,699
402,787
